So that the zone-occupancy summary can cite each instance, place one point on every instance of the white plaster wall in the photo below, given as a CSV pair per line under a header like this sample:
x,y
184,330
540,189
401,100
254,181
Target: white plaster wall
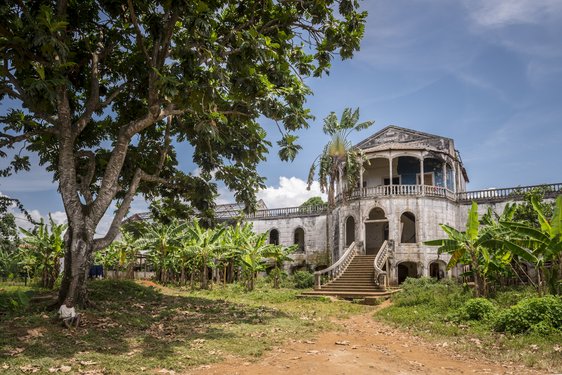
x,y
314,235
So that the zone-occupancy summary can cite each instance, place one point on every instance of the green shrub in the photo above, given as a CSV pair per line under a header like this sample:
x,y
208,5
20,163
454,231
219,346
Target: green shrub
x,y
444,294
303,279
541,314
478,308
14,301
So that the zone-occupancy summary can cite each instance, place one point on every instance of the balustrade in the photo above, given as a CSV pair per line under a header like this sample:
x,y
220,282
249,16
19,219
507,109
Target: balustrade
x,y
335,270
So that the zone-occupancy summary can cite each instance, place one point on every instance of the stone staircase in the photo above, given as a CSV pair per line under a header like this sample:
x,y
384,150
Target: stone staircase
x,y
357,281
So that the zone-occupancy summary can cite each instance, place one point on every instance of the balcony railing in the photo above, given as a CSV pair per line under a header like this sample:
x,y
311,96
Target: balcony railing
x,y
289,211
504,194
401,190
479,196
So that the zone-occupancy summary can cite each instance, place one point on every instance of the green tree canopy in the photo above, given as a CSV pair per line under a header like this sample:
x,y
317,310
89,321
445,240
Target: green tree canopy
x,y
312,202
110,92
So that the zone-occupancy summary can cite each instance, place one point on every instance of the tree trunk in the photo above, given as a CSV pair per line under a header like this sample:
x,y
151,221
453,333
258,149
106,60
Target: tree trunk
x,y
78,251
205,277
182,276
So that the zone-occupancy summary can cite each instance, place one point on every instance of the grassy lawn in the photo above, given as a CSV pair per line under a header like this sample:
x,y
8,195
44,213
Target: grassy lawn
x,y
136,327
432,311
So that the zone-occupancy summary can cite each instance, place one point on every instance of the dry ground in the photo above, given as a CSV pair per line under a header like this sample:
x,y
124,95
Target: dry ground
x,y
362,346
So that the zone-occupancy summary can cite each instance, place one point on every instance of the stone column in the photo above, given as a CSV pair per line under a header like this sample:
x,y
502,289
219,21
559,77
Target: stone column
x,y
422,171
361,180
390,171
445,174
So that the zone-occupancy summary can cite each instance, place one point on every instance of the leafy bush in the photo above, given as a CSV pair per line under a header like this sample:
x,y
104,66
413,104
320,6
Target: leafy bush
x,y
15,301
444,294
303,279
540,314
478,308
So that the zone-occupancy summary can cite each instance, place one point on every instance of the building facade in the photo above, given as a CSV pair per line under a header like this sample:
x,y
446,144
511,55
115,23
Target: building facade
x,y
409,184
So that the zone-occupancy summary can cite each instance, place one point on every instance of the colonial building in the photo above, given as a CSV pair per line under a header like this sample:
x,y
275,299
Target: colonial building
x,y
410,183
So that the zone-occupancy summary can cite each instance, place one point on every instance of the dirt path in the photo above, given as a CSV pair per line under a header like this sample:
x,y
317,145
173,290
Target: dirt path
x,y
364,346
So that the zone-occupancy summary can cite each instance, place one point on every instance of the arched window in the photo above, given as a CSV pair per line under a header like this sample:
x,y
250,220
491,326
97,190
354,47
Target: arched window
x,y
274,237
408,225
349,231
377,213
299,239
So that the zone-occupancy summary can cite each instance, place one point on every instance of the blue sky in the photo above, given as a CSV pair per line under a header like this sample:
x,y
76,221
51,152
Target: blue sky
x,y
487,73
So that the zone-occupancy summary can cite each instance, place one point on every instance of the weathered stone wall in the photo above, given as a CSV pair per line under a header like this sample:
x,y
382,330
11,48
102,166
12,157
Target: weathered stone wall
x,y
314,237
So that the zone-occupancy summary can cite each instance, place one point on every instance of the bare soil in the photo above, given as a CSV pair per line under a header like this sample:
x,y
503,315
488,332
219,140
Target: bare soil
x,y
363,346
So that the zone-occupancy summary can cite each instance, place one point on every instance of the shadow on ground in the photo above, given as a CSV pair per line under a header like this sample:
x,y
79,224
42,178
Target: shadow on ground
x,y
129,320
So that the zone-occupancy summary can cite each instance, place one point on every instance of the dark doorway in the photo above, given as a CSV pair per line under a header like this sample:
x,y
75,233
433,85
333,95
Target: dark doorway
x,y
349,231
407,269
274,237
408,224
376,231
299,239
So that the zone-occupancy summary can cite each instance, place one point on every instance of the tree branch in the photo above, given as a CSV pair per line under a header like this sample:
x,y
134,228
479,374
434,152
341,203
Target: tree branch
x,y
86,180
138,177
93,99
138,31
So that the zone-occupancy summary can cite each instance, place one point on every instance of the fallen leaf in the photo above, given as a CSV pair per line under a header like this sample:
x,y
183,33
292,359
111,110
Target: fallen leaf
x,y
15,351
29,368
88,363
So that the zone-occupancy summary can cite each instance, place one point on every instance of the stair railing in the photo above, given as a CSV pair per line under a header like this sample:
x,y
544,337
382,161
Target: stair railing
x,y
335,270
378,263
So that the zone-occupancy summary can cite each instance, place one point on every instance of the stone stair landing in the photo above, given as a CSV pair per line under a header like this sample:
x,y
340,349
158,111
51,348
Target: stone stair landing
x,y
357,281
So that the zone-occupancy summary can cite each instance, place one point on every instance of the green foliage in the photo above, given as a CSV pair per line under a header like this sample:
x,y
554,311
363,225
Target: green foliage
x,y
478,308
313,202
41,249
544,243
15,301
525,212
539,314
303,279
443,294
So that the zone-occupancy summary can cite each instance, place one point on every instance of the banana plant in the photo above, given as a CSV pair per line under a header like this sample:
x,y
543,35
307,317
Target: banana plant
x,y
46,246
162,241
278,255
544,243
206,243
468,247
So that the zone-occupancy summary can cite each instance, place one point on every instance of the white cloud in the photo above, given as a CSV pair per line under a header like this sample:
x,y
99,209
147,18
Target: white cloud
x,y
500,13
59,217
291,192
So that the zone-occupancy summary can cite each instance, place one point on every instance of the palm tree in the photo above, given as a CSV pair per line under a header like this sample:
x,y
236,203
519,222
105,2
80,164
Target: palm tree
x,y
339,161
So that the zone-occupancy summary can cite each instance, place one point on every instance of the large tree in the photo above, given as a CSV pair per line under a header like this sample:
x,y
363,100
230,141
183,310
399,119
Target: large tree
x,y
110,93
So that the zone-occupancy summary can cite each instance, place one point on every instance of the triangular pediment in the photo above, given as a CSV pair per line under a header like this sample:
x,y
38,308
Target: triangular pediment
x,y
396,135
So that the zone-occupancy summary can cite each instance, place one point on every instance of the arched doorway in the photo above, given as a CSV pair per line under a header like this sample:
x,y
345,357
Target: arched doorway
x,y
408,228
274,237
438,270
299,239
376,230
349,231
407,269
